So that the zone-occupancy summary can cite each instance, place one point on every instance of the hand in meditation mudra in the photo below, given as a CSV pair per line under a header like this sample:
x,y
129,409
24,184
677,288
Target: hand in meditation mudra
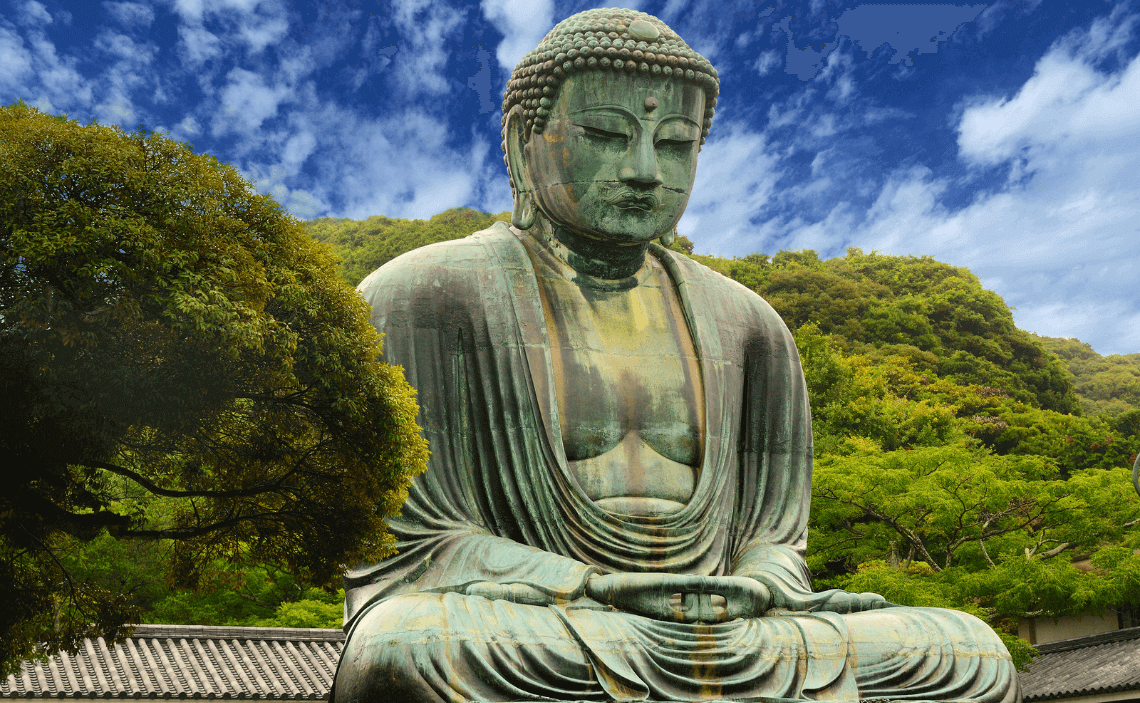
x,y
616,503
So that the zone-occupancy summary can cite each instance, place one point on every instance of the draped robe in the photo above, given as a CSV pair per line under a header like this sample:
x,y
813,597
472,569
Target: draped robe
x,y
498,503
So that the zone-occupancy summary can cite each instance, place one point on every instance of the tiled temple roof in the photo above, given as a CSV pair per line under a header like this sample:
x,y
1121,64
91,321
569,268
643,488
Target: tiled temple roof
x,y
189,661
1085,666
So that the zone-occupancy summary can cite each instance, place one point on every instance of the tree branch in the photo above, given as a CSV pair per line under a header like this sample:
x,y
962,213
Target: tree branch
x,y
908,534
1056,550
985,553
156,489
82,526
191,532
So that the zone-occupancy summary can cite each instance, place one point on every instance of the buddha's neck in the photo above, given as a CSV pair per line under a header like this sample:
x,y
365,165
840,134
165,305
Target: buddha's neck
x,y
595,257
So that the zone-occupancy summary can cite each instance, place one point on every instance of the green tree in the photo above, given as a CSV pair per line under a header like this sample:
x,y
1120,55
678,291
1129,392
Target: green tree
x,y
249,595
365,245
964,528
1104,384
178,361
937,314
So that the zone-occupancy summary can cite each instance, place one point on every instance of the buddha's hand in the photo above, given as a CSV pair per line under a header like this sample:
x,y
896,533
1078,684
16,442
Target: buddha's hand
x,y
681,597
513,592
844,602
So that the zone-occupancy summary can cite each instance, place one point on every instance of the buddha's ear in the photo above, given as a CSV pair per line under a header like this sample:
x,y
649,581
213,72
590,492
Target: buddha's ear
x,y
523,214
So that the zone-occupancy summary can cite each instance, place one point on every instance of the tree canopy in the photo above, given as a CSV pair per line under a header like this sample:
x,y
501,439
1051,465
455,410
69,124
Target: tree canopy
x,y
365,245
178,361
957,495
1103,384
934,313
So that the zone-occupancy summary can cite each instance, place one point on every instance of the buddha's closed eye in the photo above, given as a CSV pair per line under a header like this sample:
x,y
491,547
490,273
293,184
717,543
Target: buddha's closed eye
x,y
604,135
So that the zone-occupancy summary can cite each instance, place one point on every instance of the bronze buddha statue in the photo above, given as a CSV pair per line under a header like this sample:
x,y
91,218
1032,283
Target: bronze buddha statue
x,y
616,503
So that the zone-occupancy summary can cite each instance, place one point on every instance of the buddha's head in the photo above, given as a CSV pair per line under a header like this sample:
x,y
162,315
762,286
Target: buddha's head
x,y
602,123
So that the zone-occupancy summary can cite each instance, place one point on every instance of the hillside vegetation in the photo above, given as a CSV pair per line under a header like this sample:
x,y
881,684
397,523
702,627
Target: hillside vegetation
x,y
959,463
936,315
1103,384
365,245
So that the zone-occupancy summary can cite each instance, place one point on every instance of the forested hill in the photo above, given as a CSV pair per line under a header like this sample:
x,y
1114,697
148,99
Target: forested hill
x,y
1104,384
365,245
936,315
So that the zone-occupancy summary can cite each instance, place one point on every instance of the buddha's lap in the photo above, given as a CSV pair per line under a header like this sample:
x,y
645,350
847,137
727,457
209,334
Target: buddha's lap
x,y
452,637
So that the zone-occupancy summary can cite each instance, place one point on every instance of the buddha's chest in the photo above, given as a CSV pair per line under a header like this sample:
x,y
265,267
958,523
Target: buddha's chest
x,y
629,390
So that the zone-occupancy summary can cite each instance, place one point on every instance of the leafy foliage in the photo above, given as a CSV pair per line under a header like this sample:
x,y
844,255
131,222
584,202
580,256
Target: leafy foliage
x,y
1104,384
366,245
179,361
938,493
936,314
231,593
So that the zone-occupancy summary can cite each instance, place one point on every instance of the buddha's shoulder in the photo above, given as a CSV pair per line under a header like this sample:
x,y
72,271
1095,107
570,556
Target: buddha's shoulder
x,y
442,264
733,299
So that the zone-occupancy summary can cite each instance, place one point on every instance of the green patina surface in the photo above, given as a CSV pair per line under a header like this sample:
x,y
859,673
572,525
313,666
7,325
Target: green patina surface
x,y
616,503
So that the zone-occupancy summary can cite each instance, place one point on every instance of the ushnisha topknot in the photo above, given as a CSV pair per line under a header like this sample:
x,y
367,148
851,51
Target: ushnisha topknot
x,y
606,39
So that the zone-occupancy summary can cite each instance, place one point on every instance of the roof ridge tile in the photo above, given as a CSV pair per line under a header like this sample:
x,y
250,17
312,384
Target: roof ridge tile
x,y
318,634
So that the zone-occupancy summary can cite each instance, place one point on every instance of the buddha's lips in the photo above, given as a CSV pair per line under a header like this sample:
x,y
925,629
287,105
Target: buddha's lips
x,y
629,200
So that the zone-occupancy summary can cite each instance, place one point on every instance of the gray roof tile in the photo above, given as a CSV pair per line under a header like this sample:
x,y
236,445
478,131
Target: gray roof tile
x,y
1097,664
189,661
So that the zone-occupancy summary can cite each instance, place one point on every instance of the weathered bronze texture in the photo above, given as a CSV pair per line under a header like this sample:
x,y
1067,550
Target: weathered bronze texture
x,y
616,503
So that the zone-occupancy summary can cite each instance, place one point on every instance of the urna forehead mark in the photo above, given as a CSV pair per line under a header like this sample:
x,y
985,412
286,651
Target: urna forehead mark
x,y
644,97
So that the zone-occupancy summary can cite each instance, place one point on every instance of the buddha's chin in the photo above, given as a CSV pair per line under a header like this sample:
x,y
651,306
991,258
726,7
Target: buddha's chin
x,y
632,225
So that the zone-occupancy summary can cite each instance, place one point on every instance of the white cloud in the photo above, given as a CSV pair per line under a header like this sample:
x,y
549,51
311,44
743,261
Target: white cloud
x,y
17,62
1066,108
1061,240
125,48
264,31
126,74
246,102
34,14
736,177
404,166
672,9
425,28
298,148
130,14
188,127
198,44
34,72
400,165
255,24
523,23
768,61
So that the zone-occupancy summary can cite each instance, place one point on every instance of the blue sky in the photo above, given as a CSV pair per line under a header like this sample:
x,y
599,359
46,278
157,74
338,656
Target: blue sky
x,y
1003,136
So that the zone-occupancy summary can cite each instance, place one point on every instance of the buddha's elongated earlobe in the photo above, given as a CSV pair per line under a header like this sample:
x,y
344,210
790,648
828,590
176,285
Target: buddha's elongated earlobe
x,y
523,215
668,238
525,209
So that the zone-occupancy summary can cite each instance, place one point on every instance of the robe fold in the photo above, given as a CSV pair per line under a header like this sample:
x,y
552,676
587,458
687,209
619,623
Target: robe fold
x,y
498,503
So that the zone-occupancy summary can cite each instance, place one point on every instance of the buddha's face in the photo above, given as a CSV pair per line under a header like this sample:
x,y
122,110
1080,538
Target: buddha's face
x,y
617,157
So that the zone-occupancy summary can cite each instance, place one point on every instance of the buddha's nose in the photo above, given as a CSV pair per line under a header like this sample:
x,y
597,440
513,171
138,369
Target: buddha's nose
x,y
641,164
